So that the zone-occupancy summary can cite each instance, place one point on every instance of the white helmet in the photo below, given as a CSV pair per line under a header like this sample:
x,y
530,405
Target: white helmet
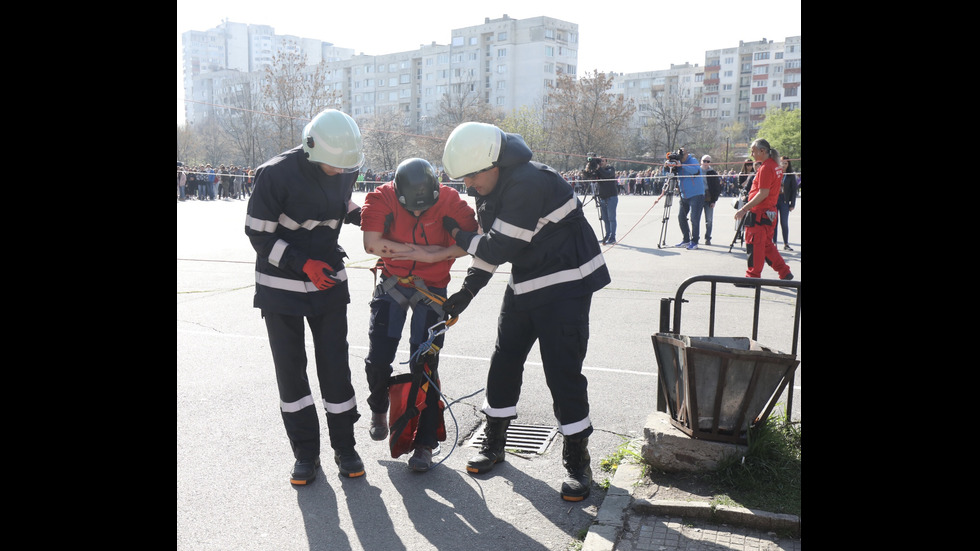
x,y
333,138
472,147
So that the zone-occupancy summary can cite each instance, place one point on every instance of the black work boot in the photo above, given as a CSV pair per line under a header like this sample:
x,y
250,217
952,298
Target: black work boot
x,y
578,463
341,429
349,462
492,451
379,426
304,471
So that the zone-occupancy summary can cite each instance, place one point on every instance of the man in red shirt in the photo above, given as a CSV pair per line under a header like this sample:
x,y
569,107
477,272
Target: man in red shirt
x,y
760,214
402,223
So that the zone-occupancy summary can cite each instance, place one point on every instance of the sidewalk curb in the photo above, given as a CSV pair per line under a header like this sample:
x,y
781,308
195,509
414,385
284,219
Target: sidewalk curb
x,y
608,525
722,514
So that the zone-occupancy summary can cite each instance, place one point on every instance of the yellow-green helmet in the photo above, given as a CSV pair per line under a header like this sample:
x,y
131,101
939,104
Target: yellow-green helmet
x,y
472,147
333,138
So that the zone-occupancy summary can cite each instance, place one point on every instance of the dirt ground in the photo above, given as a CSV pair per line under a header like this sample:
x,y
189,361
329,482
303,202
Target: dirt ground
x,y
673,487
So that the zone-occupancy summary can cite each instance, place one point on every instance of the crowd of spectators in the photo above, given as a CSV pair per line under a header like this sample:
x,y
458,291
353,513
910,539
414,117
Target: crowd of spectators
x,y
646,182
206,183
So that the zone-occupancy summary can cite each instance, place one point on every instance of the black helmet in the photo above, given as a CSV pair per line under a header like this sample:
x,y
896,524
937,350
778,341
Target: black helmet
x,y
416,184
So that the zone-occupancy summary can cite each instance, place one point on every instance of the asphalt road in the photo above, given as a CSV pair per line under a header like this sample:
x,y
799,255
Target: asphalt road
x,y
233,458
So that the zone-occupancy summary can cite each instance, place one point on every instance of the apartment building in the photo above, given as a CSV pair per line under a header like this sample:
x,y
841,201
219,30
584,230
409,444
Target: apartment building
x,y
736,84
505,63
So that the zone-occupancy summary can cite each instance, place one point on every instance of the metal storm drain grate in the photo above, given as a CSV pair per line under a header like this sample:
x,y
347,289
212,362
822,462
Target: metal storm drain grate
x,y
522,438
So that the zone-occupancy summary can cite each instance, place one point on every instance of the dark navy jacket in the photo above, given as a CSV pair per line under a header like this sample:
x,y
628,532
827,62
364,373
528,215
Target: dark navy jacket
x,y
295,213
534,220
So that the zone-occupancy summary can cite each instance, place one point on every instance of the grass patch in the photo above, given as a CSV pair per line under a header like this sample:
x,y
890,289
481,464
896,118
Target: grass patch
x,y
769,475
626,452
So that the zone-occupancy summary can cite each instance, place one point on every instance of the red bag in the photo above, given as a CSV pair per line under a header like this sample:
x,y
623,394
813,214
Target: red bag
x,y
407,393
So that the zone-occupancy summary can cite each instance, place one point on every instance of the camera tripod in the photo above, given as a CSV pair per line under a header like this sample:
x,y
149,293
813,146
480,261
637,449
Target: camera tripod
x,y
671,185
593,196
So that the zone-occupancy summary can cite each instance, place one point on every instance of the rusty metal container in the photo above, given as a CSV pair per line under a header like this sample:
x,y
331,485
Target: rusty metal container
x,y
717,388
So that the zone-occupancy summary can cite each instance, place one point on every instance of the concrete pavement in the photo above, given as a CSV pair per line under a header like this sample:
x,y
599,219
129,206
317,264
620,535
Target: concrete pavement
x,y
233,458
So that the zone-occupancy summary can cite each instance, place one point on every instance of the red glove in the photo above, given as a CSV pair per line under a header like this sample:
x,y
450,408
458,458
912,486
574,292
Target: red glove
x,y
320,273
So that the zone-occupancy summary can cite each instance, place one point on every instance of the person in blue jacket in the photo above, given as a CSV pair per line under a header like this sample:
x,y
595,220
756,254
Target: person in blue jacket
x,y
691,185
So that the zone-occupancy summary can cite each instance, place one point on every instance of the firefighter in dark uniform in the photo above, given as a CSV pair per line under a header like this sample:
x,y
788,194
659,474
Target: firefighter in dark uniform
x,y
531,218
302,197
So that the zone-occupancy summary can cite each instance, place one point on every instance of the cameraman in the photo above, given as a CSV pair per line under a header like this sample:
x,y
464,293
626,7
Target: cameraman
x,y
607,193
688,170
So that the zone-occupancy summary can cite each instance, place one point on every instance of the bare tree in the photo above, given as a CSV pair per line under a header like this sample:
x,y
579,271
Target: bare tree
x,y
213,141
583,116
385,139
675,121
243,122
293,93
461,103
186,144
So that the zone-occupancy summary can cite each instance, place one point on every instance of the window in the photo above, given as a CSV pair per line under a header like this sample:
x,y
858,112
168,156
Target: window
x,y
501,53
501,36
549,51
457,41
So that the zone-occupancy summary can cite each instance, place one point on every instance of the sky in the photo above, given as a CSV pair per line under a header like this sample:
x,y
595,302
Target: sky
x,y
624,36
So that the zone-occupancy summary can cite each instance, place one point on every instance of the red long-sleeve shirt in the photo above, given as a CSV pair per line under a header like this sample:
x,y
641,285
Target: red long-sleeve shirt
x,y
381,206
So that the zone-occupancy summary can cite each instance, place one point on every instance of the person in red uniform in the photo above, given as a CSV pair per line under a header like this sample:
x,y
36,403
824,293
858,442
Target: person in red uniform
x,y
760,214
402,224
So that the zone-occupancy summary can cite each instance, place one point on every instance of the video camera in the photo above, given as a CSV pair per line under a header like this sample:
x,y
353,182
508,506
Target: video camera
x,y
674,160
592,163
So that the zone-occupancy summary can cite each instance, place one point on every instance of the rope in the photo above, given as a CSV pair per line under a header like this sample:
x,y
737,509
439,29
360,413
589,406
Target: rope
x,y
449,408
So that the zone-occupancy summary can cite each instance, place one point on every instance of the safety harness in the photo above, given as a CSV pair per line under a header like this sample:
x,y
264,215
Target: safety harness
x,y
408,391
422,293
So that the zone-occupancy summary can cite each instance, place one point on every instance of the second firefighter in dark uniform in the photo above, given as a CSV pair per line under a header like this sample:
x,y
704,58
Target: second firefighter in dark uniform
x,y
531,218
302,198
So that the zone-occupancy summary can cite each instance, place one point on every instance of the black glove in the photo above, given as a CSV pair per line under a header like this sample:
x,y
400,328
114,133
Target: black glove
x,y
475,280
353,217
450,224
455,304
